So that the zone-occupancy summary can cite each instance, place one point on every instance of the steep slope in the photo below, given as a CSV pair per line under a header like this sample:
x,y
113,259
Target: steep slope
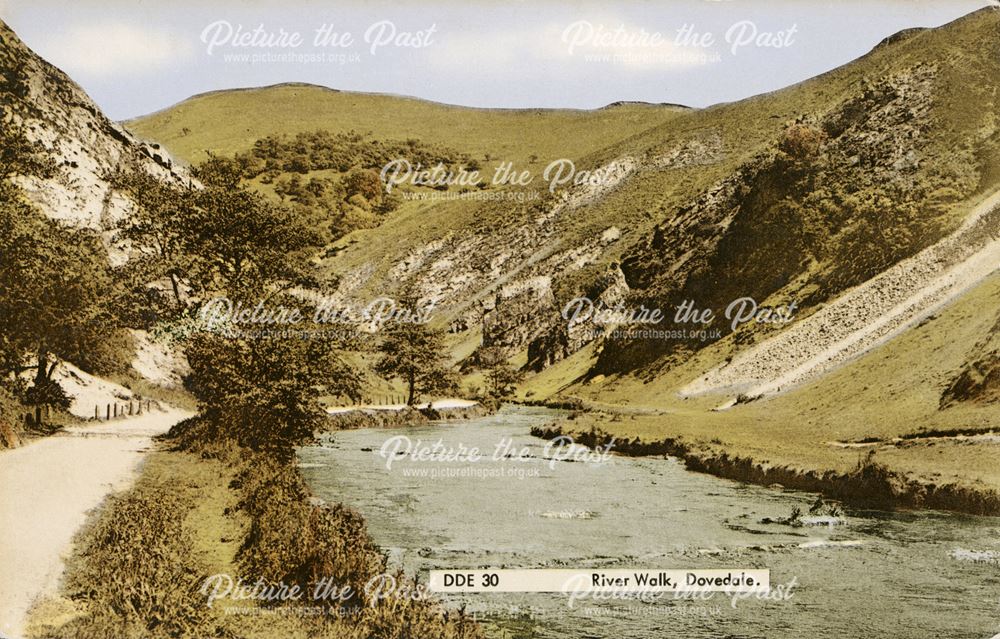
x,y
45,106
797,196
294,117
878,173
869,314
63,153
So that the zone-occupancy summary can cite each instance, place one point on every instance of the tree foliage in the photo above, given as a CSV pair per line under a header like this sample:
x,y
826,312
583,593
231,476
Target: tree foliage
x,y
263,392
501,377
54,286
416,354
256,387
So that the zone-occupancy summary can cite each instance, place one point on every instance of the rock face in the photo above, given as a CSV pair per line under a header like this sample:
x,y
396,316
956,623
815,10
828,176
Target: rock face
x,y
570,333
82,149
499,279
84,145
843,190
515,319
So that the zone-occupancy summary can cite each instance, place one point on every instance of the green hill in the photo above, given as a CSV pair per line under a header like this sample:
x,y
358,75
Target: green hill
x,y
227,122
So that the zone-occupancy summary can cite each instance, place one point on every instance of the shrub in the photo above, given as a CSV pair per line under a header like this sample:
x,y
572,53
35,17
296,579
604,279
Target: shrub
x,y
801,141
135,572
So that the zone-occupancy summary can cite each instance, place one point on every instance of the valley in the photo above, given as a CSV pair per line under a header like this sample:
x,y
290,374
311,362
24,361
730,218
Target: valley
x,y
362,325
687,212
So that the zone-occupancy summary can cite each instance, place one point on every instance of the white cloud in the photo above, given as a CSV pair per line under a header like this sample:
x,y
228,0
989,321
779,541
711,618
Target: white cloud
x,y
609,39
610,42
114,48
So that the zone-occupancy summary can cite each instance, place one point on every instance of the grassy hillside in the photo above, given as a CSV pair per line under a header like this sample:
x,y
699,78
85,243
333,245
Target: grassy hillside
x,y
886,401
227,122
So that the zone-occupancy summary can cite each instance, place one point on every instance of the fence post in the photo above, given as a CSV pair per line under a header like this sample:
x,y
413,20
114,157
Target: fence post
x,y
107,415
97,413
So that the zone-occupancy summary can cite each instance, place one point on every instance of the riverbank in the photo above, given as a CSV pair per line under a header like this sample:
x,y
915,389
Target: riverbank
x,y
141,563
815,435
398,415
558,507
869,484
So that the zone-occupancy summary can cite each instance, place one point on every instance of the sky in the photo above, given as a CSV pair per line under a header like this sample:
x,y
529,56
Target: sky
x,y
138,57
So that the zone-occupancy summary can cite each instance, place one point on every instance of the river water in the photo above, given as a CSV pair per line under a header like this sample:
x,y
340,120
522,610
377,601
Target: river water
x,y
859,574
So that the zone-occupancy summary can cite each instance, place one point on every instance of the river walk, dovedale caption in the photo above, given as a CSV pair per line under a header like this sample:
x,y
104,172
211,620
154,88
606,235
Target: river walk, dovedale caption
x,y
588,580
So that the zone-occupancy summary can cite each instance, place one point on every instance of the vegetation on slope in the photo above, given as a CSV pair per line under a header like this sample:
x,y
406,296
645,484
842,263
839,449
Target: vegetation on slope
x,y
221,123
794,195
55,281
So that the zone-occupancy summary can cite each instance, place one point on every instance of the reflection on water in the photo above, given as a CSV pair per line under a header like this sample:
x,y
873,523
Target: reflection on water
x,y
857,575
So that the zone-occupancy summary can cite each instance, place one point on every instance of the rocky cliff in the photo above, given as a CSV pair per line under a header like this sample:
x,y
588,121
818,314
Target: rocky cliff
x,y
44,105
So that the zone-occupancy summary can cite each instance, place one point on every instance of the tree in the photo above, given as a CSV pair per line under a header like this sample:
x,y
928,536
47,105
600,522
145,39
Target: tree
x,y
263,392
245,245
53,283
364,182
501,377
416,354
161,226
51,279
220,172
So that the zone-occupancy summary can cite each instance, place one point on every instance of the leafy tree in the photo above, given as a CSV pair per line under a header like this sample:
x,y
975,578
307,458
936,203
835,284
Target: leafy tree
x,y
260,390
364,182
245,245
263,392
416,354
54,282
220,172
290,188
501,377
161,226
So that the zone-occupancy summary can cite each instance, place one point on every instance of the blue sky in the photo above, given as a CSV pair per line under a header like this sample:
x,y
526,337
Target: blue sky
x,y
139,57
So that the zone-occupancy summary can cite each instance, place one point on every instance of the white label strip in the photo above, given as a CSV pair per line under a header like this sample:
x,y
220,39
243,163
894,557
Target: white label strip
x,y
599,580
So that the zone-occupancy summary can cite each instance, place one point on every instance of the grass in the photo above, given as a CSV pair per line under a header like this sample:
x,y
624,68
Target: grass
x,y
890,391
229,121
140,563
221,122
139,560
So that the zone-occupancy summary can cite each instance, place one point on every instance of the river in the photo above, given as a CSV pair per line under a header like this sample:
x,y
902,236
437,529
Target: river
x,y
838,575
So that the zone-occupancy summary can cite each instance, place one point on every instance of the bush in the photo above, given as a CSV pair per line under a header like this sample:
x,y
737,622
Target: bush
x,y
801,141
135,573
